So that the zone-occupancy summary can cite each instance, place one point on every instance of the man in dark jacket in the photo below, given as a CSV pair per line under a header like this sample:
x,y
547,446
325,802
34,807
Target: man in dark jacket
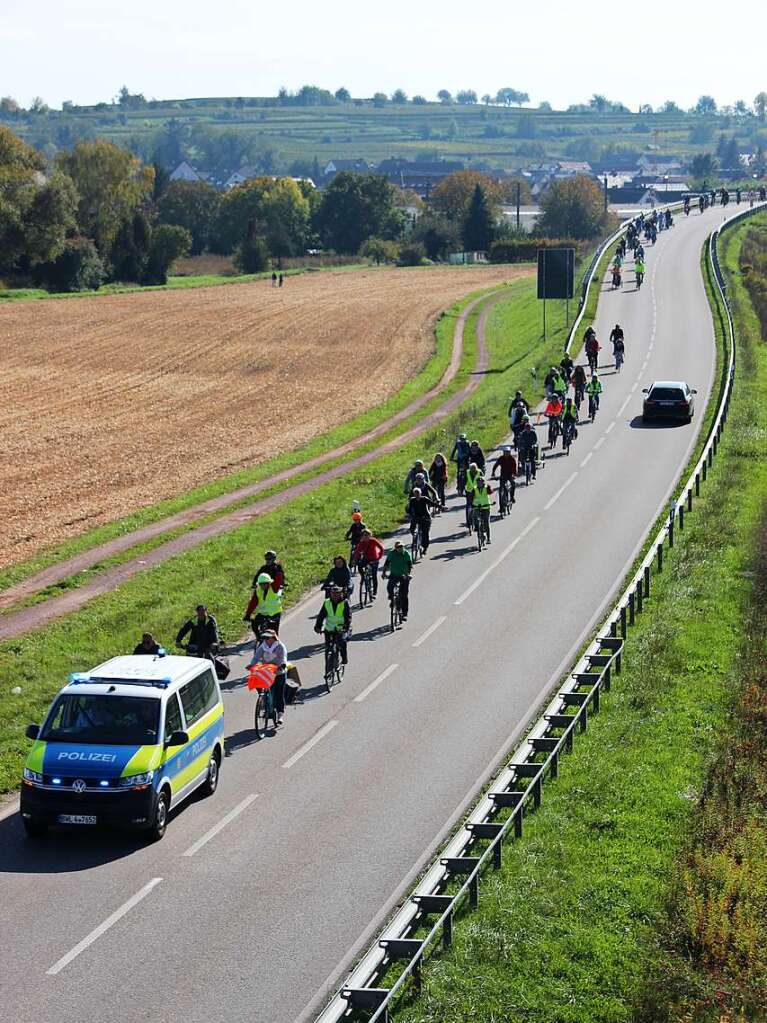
x,y
204,639
147,645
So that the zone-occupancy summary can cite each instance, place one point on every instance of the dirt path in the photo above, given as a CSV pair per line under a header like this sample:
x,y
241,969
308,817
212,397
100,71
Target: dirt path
x,y
16,623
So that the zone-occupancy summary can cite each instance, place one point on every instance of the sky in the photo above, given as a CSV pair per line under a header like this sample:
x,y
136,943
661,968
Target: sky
x,y
84,50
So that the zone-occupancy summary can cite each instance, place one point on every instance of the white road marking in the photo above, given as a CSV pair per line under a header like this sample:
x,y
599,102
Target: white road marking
x,y
327,727
634,386
599,443
651,346
623,406
587,459
504,554
432,628
559,493
103,927
610,427
227,819
375,683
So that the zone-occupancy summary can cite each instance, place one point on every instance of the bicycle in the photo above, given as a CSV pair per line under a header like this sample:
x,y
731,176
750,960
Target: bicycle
x,y
439,486
396,612
639,279
554,427
568,435
334,666
618,361
593,406
592,357
529,467
264,711
504,498
415,543
580,392
482,527
367,595
460,481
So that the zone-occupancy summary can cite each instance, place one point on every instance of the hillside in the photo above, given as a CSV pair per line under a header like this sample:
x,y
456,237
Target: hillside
x,y
280,136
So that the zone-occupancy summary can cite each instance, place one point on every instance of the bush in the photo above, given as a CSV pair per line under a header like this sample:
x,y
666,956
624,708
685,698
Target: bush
x,y
524,250
169,242
413,254
252,255
78,268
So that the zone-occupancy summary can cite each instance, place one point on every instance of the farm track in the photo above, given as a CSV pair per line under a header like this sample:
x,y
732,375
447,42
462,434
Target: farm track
x,y
16,623
116,403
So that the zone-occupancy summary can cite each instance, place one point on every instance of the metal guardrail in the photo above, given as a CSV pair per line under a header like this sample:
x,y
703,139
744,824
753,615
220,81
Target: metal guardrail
x,y
518,788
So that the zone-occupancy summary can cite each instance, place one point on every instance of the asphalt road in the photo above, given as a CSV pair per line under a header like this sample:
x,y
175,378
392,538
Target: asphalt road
x,y
251,905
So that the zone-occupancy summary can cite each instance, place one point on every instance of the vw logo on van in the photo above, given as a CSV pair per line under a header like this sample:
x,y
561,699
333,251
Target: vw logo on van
x,y
79,785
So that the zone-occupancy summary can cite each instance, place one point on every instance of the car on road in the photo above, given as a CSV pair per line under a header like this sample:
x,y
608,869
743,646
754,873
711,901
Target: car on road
x,y
668,399
124,744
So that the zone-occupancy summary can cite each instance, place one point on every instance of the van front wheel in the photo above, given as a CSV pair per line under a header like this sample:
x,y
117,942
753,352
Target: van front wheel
x,y
160,822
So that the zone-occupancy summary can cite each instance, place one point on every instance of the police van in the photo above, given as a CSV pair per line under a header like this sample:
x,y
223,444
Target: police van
x,y
124,744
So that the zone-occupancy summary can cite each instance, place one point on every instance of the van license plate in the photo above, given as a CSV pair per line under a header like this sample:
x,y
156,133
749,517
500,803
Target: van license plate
x,y
75,818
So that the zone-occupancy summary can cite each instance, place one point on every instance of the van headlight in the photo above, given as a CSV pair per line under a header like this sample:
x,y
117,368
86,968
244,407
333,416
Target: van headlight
x,y
32,776
137,779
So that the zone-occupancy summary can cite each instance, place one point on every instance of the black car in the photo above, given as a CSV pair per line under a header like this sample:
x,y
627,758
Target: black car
x,y
668,399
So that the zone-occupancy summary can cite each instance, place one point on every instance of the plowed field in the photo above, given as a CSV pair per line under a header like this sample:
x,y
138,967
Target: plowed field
x,y
114,403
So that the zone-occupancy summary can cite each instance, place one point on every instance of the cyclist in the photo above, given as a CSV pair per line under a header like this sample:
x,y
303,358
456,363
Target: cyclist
x,y
460,455
593,348
438,477
471,482
148,645
506,466
204,639
335,619
579,383
481,506
566,365
355,530
269,650
594,389
639,271
617,278
528,447
569,421
553,413
272,567
517,408
619,353
417,469
339,575
265,607
418,511
422,482
369,551
399,566
548,380
559,385
476,454
616,332
588,334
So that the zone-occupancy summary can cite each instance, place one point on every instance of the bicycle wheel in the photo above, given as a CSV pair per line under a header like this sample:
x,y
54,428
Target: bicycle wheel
x,y
478,527
527,472
414,544
340,669
261,721
330,665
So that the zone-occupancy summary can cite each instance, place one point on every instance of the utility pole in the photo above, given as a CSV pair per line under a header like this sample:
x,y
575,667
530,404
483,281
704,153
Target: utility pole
x,y
518,191
605,193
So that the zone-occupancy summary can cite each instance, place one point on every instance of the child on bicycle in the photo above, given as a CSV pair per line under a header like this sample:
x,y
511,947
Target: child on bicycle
x,y
369,551
506,466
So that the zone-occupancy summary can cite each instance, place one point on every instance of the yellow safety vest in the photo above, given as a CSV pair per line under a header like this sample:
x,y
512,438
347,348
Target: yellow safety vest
x,y
471,483
271,604
481,498
334,616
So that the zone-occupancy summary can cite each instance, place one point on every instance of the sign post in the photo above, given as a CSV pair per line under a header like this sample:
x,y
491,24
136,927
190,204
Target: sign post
x,y
556,275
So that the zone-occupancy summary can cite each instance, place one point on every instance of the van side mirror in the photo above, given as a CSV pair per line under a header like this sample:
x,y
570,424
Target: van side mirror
x,y
32,732
178,739
693,391
645,390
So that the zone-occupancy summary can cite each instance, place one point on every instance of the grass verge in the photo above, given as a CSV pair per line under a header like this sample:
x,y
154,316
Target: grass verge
x,y
306,532
615,904
425,379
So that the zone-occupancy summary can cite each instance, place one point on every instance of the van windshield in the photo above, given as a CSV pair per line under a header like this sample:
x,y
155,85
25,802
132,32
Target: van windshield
x,y
106,720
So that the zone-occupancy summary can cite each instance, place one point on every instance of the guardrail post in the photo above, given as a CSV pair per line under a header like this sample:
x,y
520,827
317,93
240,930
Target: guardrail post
x,y
537,786
660,556
613,628
631,608
681,516
689,500
623,622
474,891
447,930
497,855
647,581
705,470
710,457
583,719
555,764
595,697
671,516
639,596
697,484
518,820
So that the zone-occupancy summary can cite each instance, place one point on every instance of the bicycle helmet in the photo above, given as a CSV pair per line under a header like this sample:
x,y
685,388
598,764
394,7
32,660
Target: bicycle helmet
x,y
416,492
418,461
462,436
356,516
265,578
270,555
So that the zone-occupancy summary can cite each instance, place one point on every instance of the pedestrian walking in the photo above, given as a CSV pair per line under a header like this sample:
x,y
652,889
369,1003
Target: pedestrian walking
x,y
274,278
281,280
